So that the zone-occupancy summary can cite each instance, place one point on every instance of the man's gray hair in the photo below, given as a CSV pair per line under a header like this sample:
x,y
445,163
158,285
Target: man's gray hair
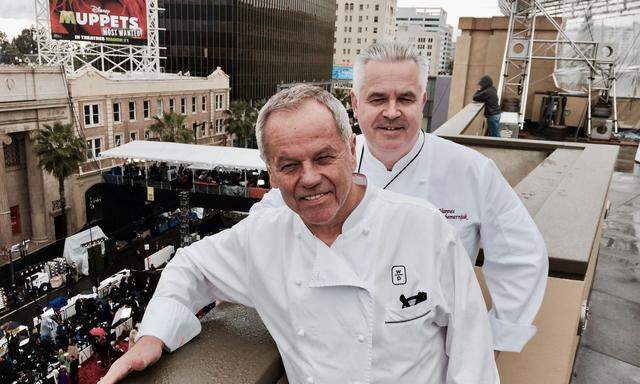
x,y
292,98
390,51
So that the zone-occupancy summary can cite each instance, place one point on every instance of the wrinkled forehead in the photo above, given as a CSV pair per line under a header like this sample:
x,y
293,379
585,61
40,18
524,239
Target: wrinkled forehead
x,y
387,76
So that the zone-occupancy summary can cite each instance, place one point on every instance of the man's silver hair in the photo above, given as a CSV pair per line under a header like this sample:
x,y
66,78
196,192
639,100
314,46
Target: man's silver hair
x,y
292,98
390,51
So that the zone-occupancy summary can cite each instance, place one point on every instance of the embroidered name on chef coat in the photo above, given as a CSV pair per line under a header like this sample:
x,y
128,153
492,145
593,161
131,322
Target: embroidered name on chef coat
x,y
398,275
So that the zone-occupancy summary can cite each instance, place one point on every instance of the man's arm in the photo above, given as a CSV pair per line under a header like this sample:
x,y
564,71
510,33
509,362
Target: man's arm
x,y
468,340
214,267
515,261
480,96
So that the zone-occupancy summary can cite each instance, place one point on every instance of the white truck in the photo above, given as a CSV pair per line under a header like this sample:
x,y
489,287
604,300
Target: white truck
x,y
50,276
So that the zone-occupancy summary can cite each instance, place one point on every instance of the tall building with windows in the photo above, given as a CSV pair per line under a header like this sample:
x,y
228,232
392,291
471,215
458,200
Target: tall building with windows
x,y
359,24
428,30
260,44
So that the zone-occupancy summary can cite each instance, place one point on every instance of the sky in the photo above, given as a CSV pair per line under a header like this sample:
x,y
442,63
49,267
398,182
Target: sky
x,y
16,15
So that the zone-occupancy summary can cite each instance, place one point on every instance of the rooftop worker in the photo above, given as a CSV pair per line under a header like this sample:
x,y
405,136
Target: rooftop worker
x,y
354,283
488,95
388,97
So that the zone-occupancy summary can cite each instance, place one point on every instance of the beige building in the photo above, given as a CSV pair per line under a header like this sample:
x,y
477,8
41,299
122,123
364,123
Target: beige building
x,y
359,24
108,111
427,30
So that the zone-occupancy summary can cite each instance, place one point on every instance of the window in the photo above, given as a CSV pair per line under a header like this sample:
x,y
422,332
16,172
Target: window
x,y
204,103
374,41
117,140
345,40
91,115
350,18
357,51
420,39
359,19
346,6
15,219
375,19
429,46
116,113
430,40
359,29
133,135
172,105
132,111
14,152
375,29
376,7
146,134
346,18
159,107
93,148
193,104
351,7
219,126
183,105
361,7
349,29
145,109
358,40
219,102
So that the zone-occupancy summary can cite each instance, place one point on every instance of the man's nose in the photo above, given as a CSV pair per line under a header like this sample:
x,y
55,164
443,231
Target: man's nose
x,y
391,110
310,176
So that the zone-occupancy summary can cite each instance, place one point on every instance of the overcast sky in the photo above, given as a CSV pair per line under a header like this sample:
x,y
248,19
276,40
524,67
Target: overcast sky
x,y
18,14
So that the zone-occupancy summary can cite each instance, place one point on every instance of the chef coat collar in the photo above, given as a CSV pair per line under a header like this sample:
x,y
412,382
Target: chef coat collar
x,y
371,161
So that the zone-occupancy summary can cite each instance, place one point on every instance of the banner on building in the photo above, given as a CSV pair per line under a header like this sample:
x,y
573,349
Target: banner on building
x,y
342,73
99,21
150,194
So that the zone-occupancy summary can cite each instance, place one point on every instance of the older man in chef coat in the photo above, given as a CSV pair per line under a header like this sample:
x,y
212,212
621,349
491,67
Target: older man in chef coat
x,y
388,97
354,283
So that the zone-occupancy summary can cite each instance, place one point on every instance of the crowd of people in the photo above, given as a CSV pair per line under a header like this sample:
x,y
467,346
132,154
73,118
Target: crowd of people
x,y
48,351
183,177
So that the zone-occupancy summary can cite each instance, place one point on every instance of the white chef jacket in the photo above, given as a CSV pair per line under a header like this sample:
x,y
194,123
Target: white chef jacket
x,y
334,312
471,192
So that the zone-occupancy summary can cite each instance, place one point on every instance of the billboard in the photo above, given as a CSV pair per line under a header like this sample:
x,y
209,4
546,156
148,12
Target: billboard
x,y
99,21
342,73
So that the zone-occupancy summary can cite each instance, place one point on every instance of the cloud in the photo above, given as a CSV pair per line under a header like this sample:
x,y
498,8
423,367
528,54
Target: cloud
x,y
22,9
13,27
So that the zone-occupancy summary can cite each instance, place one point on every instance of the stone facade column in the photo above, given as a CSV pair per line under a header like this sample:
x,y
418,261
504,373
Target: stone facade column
x,y
5,213
36,192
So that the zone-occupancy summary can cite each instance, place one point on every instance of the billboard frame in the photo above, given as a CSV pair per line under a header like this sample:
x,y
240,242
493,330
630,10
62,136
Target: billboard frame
x,y
75,56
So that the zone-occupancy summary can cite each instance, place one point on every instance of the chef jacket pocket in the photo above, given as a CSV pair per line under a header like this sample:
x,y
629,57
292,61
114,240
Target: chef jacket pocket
x,y
407,315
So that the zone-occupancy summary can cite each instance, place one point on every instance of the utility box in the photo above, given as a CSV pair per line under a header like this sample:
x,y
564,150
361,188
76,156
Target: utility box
x,y
509,127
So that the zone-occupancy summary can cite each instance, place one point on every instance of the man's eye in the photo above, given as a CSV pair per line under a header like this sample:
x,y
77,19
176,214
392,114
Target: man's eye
x,y
287,167
324,159
406,100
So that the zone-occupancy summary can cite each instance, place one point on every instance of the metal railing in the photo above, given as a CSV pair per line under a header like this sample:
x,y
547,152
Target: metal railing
x,y
226,190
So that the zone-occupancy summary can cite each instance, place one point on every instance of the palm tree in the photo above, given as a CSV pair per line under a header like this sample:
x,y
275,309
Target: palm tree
x,y
170,127
60,152
242,120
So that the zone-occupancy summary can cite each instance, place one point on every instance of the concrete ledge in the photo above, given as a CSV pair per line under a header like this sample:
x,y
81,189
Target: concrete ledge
x,y
234,347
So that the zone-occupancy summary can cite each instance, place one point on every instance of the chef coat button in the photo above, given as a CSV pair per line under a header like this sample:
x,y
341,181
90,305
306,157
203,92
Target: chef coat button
x,y
365,231
298,235
310,380
301,332
422,181
298,282
361,338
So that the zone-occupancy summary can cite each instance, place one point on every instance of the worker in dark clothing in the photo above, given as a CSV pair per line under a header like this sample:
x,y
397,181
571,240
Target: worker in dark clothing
x,y
488,95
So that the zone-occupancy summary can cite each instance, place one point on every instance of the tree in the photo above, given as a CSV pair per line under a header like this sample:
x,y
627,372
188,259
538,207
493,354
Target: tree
x,y
242,121
25,42
170,127
60,152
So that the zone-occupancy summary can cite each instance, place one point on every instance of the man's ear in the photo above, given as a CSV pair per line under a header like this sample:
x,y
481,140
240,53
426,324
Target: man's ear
x,y
352,151
273,178
424,99
354,103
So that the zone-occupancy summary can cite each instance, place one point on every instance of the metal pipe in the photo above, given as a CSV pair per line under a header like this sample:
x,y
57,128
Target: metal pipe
x,y
525,89
505,64
589,104
615,106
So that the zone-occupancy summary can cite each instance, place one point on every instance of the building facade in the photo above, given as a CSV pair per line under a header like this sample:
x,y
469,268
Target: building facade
x,y
359,24
261,44
428,31
107,111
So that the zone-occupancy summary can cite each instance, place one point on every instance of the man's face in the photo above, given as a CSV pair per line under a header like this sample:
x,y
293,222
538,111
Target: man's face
x,y
310,162
389,108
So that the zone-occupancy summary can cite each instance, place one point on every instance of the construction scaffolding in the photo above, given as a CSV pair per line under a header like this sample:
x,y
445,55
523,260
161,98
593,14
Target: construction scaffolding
x,y
75,55
589,60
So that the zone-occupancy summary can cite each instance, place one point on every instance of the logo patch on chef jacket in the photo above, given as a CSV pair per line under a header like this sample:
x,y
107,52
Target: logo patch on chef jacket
x,y
398,275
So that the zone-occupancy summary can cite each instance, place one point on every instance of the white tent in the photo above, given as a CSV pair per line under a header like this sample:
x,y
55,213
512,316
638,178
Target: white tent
x,y
196,156
74,251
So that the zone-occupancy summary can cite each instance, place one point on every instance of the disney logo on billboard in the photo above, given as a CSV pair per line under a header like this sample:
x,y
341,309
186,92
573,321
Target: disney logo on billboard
x,y
99,9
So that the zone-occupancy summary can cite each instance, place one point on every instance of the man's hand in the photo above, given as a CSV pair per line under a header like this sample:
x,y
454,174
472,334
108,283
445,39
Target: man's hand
x,y
146,352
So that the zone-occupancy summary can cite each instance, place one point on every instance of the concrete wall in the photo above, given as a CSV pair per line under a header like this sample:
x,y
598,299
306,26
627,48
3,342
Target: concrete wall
x,y
480,50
